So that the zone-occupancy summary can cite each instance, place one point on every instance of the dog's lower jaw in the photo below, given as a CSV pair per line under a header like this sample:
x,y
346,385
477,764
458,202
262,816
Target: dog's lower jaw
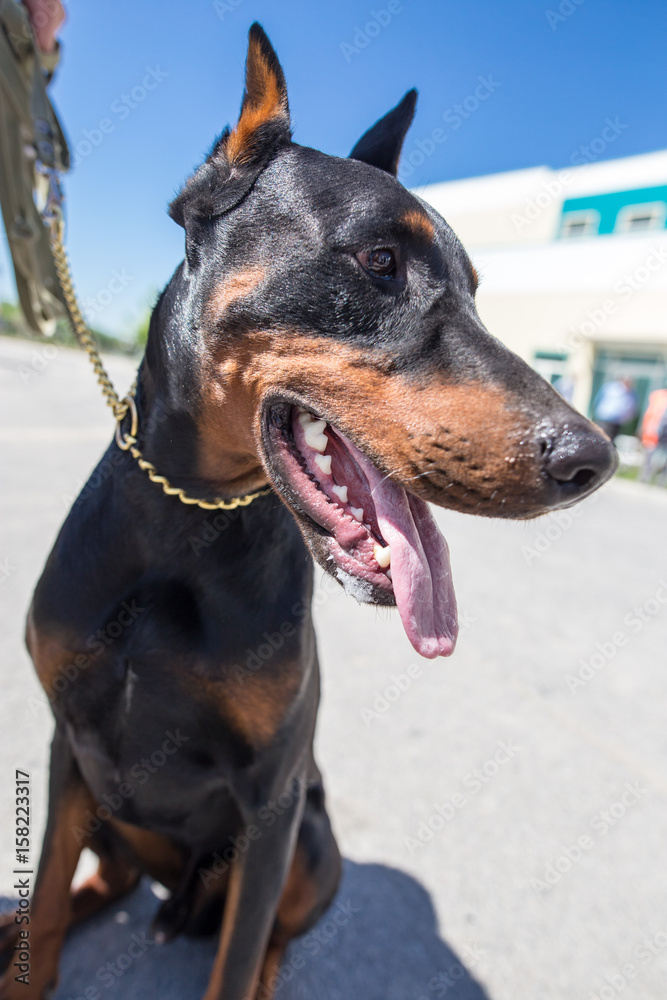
x,y
379,541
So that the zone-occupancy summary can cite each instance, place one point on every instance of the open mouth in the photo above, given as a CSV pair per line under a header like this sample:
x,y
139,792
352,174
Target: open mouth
x,y
380,541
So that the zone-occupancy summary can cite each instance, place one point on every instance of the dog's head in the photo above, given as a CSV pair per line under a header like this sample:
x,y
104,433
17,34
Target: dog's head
x,y
341,357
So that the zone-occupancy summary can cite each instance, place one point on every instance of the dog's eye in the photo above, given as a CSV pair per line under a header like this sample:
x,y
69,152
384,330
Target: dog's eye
x,y
380,263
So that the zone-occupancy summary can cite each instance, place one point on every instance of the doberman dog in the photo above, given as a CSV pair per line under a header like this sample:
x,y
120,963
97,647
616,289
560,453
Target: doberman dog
x,y
320,337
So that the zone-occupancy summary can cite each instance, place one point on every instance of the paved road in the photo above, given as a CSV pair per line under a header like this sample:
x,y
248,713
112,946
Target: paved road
x,y
503,817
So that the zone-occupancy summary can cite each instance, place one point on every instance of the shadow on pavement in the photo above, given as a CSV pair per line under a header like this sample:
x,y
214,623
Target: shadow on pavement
x,y
378,941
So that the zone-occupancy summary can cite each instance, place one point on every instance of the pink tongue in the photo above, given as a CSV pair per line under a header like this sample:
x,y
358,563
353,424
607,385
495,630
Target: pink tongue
x,y
420,569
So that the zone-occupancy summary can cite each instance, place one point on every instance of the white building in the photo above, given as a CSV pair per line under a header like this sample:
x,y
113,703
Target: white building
x,y
573,266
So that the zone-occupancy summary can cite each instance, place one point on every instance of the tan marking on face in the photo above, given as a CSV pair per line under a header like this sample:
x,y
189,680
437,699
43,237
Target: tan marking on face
x,y
475,277
264,100
459,445
236,286
227,450
419,223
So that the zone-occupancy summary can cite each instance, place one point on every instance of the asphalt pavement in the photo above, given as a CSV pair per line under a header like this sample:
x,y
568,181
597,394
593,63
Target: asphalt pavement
x,y
503,814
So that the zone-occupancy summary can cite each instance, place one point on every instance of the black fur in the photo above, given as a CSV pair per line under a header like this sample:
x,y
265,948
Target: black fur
x,y
209,589
381,145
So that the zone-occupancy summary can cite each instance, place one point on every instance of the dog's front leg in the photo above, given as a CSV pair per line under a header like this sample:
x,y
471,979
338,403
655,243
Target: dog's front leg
x,y
256,883
50,909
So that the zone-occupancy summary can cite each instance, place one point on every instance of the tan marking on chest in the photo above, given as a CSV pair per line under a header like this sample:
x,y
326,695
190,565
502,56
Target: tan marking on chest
x,y
254,702
57,664
155,853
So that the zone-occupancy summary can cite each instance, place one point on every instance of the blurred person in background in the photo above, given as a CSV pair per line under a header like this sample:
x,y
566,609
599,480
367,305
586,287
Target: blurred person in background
x,y
654,438
615,404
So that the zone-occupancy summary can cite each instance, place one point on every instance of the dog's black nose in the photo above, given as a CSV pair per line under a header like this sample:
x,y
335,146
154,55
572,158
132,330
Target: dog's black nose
x,y
577,459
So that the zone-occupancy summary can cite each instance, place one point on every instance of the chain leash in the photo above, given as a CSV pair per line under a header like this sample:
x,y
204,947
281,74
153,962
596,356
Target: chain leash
x,y
120,408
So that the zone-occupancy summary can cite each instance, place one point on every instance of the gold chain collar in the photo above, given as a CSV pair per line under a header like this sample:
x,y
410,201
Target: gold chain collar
x,y
119,407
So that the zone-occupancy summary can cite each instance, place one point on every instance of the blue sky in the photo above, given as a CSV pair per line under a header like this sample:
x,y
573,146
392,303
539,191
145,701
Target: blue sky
x,y
166,77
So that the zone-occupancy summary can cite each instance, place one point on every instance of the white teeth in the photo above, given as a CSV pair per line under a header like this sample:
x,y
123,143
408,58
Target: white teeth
x,y
382,555
313,431
358,512
324,462
340,492
389,576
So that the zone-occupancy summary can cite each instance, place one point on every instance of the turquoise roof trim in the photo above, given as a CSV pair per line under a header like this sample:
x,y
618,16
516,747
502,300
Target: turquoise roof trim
x,y
609,205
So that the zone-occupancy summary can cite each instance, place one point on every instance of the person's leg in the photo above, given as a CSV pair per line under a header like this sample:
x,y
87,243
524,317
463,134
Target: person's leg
x,y
647,465
662,466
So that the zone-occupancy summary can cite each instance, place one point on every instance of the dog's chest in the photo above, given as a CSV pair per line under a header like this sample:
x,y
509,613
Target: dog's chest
x,y
161,741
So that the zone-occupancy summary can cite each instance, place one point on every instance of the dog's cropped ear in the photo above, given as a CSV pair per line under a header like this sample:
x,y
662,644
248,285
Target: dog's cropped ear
x,y
264,121
241,153
381,145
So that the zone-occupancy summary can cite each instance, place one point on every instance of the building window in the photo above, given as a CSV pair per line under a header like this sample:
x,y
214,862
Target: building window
x,y
583,223
551,365
639,218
